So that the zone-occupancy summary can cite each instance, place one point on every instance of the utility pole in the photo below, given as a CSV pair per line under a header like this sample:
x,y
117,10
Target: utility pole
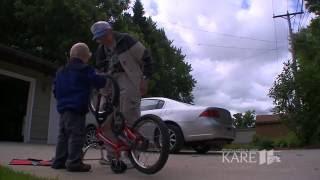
x,y
288,16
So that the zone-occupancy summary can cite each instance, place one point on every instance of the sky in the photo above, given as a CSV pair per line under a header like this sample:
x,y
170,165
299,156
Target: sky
x,y
235,47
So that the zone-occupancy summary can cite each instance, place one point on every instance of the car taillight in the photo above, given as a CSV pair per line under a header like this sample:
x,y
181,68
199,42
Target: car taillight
x,y
210,113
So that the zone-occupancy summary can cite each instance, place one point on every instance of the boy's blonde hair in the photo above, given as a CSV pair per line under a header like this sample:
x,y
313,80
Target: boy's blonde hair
x,y
80,50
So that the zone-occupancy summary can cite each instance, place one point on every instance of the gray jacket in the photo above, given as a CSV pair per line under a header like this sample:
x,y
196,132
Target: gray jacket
x,y
132,55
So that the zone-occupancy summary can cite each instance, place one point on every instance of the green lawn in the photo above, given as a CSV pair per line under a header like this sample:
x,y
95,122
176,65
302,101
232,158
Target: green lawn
x,y
9,174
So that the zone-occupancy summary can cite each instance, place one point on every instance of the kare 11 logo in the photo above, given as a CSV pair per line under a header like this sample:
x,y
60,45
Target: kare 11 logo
x,y
251,156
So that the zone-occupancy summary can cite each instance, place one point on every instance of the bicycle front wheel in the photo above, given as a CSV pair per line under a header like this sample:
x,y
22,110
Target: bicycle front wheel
x,y
103,101
151,152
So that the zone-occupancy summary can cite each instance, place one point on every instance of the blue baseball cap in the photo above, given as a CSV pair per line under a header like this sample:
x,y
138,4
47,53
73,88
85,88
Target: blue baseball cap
x,y
99,29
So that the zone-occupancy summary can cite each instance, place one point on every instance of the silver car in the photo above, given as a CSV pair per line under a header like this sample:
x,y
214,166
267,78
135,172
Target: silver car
x,y
202,128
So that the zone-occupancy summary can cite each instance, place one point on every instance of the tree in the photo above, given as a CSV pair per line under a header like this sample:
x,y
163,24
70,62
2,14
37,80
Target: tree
x,y
249,118
48,28
138,13
172,76
307,43
283,94
246,120
304,120
238,120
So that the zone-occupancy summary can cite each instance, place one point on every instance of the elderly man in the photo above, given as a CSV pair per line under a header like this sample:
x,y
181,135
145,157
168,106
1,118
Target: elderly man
x,y
72,87
129,63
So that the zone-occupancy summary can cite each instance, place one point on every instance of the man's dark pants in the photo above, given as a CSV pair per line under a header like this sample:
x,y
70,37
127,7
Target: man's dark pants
x,y
70,140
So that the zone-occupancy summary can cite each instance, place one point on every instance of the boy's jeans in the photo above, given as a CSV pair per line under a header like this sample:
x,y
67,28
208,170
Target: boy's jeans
x,y
70,140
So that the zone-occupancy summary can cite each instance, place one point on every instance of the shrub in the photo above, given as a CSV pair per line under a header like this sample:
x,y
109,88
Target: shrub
x,y
262,142
288,141
281,143
292,140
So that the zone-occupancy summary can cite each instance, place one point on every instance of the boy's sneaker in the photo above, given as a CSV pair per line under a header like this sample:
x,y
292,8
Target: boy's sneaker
x,y
79,168
128,163
106,161
126,160
110,156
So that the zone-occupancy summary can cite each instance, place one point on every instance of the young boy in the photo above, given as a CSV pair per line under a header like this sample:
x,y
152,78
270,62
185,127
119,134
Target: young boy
x,y
73,84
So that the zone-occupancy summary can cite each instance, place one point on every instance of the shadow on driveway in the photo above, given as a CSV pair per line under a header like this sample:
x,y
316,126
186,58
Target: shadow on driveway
x,y
193,153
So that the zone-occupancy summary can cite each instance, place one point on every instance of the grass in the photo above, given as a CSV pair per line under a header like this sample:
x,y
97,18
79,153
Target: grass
x,y
9,174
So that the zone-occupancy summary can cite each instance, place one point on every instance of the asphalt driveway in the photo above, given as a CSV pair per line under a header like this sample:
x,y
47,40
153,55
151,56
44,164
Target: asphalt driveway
x,y
294,165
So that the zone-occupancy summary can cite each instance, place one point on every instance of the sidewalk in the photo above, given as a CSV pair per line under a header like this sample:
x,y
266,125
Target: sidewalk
x,y
294,165
8,151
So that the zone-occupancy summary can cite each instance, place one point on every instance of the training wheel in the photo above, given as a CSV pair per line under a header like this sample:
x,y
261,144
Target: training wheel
x,y
118,166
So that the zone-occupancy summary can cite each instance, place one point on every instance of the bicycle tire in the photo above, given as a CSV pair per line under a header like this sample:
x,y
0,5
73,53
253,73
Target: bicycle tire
x,y
165,147
115,99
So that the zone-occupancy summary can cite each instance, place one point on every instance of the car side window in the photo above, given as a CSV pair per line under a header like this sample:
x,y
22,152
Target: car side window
x,y
160,104
150,104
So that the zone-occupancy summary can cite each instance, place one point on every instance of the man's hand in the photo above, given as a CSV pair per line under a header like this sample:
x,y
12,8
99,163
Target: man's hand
x,y
143,87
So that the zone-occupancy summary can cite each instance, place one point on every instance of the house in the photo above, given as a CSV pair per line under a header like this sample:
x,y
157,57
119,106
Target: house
x,y
27,106
270,126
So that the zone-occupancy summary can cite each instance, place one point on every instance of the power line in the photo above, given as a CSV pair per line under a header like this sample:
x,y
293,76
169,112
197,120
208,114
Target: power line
x,y
259,54
297,6
219,33
226,47
306,21
256,55
301,19
272,6
288,16
275,32
231,47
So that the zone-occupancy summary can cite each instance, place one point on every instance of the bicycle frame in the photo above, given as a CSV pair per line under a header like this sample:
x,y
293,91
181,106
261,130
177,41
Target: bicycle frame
x,y
127,138
120,146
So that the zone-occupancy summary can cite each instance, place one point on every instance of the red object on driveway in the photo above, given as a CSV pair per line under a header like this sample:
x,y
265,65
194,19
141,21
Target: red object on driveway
x,y
31,162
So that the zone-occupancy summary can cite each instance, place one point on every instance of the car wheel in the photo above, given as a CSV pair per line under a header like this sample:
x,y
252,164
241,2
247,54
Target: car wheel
x,y
201,148
217,147
90,135
176,138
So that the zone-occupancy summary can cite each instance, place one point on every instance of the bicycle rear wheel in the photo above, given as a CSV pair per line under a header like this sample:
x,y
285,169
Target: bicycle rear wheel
x,y
150,153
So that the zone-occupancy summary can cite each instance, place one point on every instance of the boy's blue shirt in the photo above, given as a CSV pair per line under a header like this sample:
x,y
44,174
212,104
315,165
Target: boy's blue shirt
x,y
73,85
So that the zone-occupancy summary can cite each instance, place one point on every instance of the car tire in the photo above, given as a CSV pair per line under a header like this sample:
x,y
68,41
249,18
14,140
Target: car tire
x,y
90,135
202,148
217,147
176,138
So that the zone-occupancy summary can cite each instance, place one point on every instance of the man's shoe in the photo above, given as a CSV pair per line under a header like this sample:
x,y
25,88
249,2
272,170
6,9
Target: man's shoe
x,y
79,168
54,166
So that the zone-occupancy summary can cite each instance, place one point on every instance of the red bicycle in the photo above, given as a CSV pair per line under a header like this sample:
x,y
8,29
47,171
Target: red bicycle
x,y
147,139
